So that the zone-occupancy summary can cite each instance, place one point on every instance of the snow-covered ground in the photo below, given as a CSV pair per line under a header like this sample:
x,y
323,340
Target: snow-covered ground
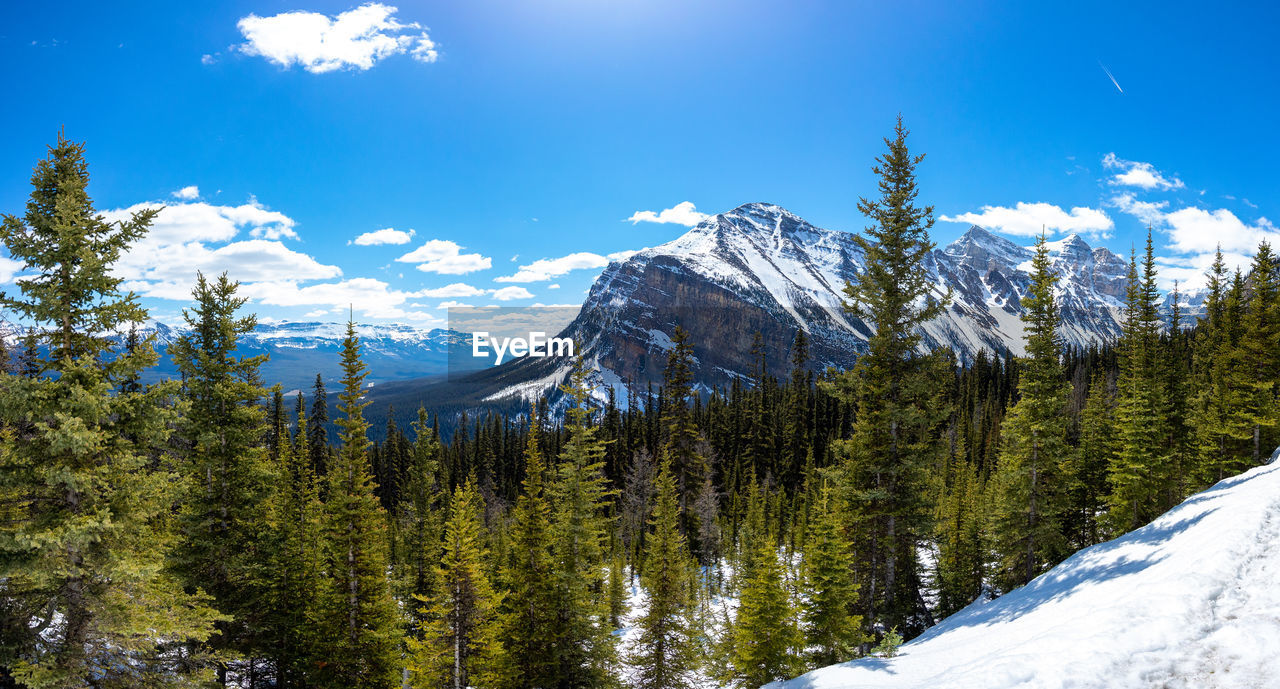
x,y
1190,601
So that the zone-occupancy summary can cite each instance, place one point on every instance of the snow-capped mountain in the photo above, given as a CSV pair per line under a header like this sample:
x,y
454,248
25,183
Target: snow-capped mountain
x,y
760,268
1188,601
299,350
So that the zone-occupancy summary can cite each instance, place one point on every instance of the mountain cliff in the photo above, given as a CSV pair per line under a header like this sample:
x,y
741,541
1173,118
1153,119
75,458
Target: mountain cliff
x,y
760,268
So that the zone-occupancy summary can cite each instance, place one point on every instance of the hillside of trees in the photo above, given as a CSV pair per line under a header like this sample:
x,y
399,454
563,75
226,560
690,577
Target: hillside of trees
x,y
207,532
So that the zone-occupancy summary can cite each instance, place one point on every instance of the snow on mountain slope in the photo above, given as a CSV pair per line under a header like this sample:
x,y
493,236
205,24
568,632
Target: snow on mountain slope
x,y
760,268
1190,601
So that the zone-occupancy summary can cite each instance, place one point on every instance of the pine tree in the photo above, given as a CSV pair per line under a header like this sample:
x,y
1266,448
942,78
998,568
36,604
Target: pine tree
x,y
832,630
224,515
617,591
1139,469
82,554
458,643
419,517
295,565
767,643
1261,352
529,616
1218,394
358,616
583,649
897,392
664,655
318,441
1086,477
962,518
680,433
279,433
1029,506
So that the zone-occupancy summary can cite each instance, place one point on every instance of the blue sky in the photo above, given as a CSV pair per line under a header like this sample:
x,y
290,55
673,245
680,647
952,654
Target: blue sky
x,y
516,139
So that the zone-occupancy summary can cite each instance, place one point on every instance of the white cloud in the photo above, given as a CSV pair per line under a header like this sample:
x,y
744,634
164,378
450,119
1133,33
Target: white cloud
x,y
190,193
1196,230
554,285
369,297
197,236
169,271
445,257
454,305
682,213
1137,174
1027,219
623,255
202,222
355,39
207,59
9,269
384,236
1195,235
547,268
510,293
457,289
318,313
1151,213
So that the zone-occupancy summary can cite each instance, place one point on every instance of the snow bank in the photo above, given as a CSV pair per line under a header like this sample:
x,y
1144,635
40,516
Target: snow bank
x,y
1191,600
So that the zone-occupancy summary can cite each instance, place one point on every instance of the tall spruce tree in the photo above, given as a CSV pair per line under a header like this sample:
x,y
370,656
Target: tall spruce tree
x,y
664,655
1216,371
295,566
459,645
420,518
82,551
1029,506
1261,352
528,611
832,630
584,652
224,516
1085,480
318,441
767,643
680,432
1139,469
358,618
897,394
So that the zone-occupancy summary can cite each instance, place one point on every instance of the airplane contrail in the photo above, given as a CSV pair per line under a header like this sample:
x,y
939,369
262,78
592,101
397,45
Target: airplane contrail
x,y
1113,79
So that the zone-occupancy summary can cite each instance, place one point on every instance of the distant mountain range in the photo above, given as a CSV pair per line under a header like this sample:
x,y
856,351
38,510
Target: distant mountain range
x,y
757,268
760,268
297,351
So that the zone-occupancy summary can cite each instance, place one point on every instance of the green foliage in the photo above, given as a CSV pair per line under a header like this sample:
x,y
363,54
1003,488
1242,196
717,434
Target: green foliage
x,y
83,471
419,519
358,626
664,655
897,392
888,646
1139,468
583,650
962,536
529,618
1085,475
229,474
832,630
1028,483
290,608
458,639
767,642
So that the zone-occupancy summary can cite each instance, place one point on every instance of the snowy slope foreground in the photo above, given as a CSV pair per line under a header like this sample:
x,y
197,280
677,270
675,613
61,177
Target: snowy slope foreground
x,y
1191,600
